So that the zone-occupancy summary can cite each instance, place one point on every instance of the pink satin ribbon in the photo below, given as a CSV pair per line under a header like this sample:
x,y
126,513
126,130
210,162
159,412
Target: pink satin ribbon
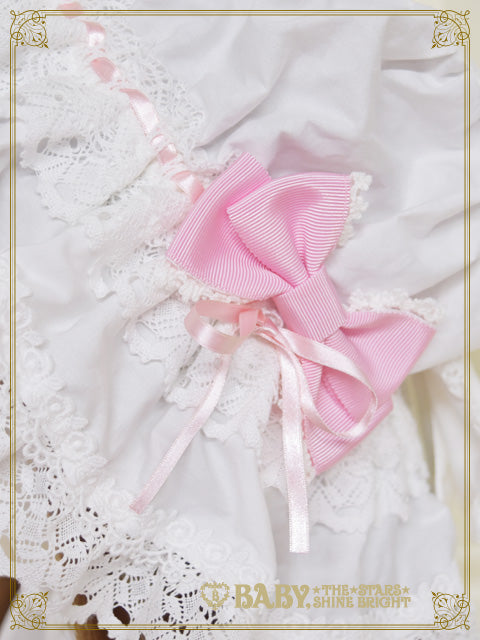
x,y
297,399
142,107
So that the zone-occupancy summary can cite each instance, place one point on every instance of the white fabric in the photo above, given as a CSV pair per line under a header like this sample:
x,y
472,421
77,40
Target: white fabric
x,y
286,90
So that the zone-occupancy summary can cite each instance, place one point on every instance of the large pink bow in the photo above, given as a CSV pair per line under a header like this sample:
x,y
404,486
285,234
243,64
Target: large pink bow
x,y
258,238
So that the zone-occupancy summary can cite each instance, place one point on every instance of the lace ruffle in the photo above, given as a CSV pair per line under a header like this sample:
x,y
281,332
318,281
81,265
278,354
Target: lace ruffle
x,y
80,537
69,119
360,182
427,309
76,536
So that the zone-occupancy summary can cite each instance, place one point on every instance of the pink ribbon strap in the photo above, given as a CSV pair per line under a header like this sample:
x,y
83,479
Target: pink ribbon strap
x,y
297,400
142,107
258,238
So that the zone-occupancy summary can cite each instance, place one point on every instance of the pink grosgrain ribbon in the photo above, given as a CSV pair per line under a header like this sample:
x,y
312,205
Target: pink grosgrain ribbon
x,y
259,238
297,400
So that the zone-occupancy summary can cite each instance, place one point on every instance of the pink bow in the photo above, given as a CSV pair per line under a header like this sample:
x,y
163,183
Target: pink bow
x,y
258,238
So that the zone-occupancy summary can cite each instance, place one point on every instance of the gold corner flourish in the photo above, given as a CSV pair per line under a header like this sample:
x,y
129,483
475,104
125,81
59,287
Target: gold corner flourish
x,y
28,28
451,611
28,611
451,28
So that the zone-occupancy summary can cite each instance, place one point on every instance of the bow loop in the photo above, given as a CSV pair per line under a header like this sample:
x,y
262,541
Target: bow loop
x,y
208,246
293,223
248,319
276,233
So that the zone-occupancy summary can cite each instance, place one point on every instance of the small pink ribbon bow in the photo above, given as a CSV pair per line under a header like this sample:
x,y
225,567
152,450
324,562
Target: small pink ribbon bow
x,y
258,239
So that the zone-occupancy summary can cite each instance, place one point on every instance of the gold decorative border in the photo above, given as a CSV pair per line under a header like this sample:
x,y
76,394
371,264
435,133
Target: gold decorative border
x,y
451,28
28,611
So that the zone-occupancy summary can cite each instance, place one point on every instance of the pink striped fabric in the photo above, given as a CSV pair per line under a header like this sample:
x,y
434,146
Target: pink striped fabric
x,y
258,238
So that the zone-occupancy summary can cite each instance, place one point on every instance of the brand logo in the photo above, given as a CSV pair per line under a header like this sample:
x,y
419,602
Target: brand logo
x,y
215,593
286,596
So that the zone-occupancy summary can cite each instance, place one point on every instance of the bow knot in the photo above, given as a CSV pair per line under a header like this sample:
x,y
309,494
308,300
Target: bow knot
x,y
313,307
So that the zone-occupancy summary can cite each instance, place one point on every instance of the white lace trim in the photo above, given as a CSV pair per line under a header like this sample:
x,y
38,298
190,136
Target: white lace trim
x,y
85,542
376,478
359,182
427,309
75,531
88,544
128,230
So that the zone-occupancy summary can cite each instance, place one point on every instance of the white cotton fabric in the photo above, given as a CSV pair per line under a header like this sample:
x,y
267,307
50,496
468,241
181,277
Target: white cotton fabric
x,y
101,328
342,114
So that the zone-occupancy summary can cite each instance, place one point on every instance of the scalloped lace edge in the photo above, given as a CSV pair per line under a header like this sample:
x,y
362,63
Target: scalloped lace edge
x,y
359,182
396,300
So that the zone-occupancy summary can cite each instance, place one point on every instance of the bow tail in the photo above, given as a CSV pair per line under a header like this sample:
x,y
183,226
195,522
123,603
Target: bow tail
x,y
173,455
292,436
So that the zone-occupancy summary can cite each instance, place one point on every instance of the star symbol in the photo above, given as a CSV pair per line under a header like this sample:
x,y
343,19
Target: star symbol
x,y
405,590
316,589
